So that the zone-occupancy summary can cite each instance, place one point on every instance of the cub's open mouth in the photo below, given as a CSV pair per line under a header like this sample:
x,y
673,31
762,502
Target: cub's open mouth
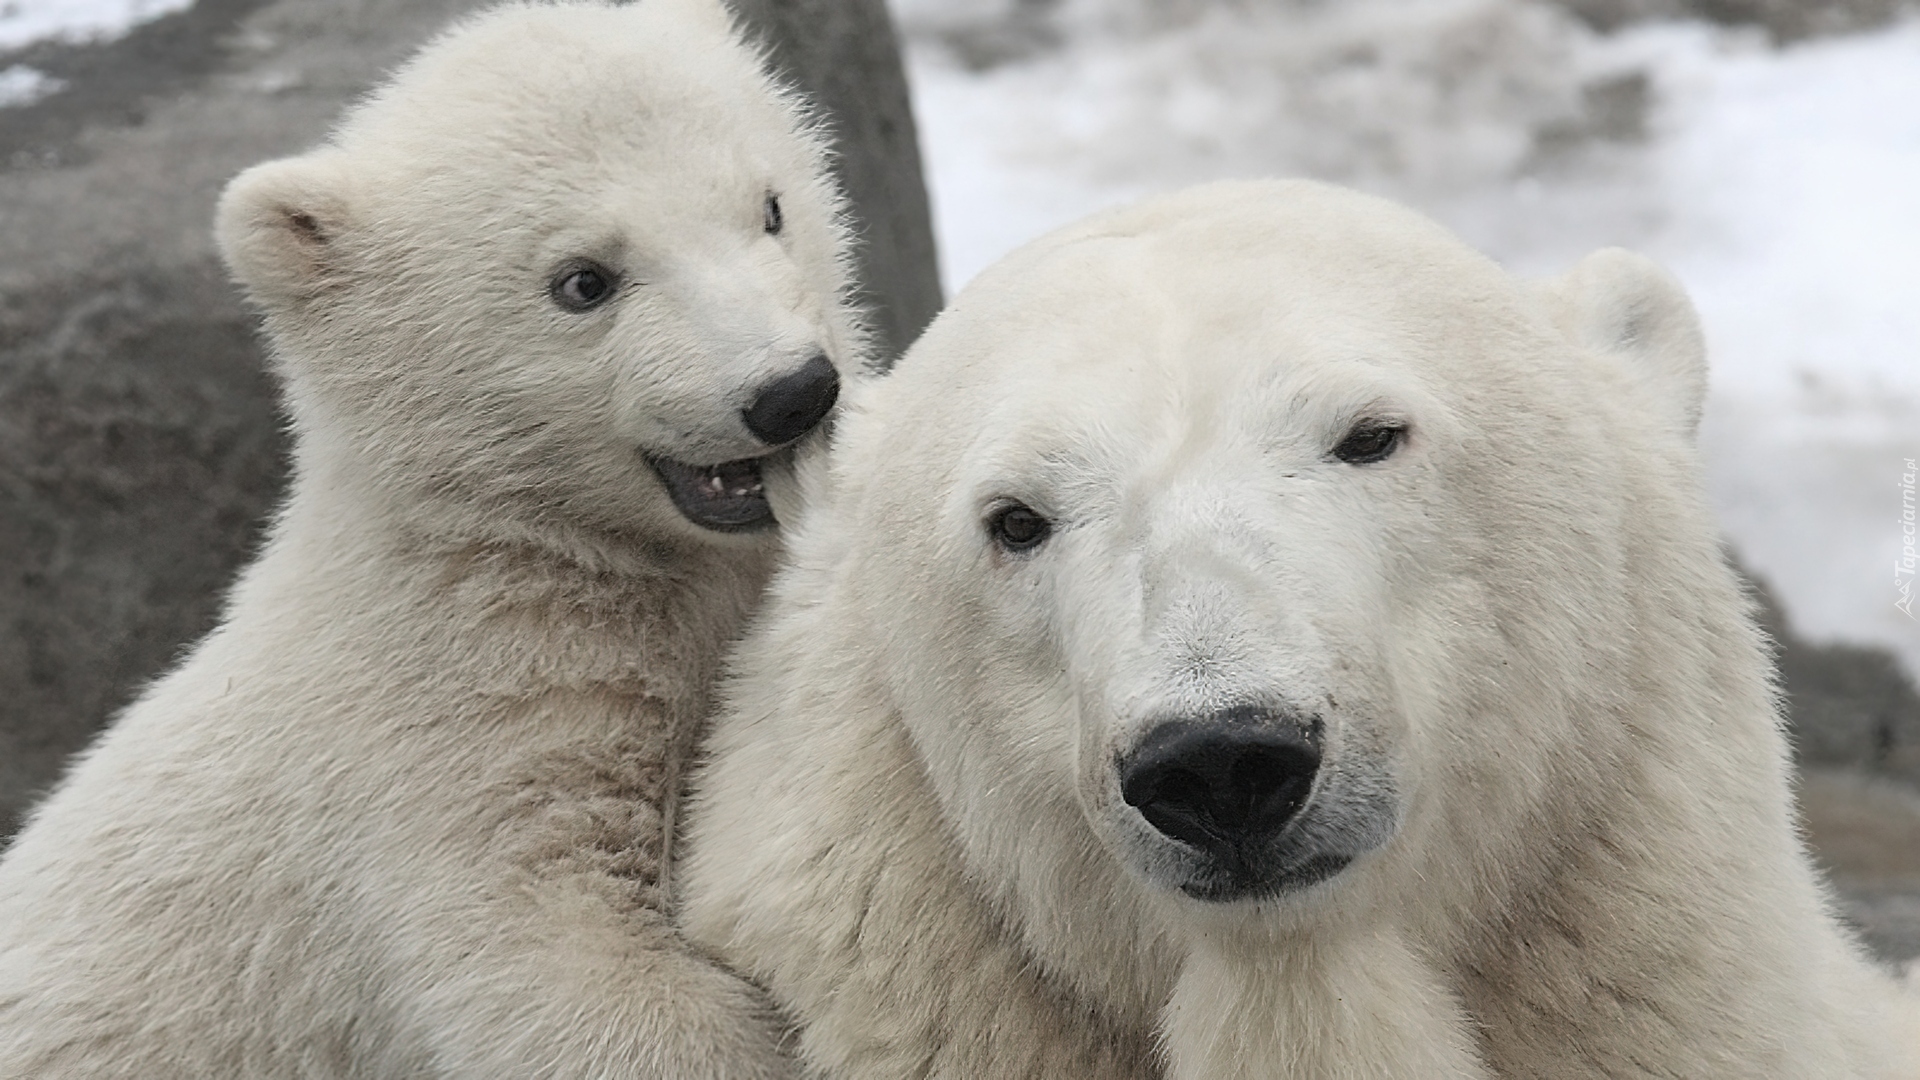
x,y
728,497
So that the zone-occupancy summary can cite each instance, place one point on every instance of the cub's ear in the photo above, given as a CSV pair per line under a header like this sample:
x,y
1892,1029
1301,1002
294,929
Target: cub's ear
x,y
1625,307
280,227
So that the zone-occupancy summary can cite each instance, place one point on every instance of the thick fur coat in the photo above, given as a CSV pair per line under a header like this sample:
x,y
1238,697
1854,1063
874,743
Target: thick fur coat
x,y
409,810
1426,547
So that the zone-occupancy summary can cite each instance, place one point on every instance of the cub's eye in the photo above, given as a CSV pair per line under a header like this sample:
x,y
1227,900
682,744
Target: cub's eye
x,y
582,285
1016,527
1370,441
770,215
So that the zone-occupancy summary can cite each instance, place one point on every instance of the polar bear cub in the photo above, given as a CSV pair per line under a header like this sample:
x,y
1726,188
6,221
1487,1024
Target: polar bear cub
x,y
553,310
1254,624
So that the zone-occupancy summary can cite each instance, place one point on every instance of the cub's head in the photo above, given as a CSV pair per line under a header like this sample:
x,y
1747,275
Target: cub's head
x,y
575,265
1259,534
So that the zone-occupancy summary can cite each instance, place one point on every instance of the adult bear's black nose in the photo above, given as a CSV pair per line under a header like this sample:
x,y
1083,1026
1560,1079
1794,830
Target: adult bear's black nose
x,y
1225,784
790,406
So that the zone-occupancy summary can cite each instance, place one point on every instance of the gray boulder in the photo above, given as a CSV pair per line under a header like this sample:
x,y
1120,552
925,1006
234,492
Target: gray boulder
x,y
1782,20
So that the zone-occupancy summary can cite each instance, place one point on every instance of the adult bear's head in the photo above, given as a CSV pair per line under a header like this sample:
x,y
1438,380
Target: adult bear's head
x,y
575,268
1254,535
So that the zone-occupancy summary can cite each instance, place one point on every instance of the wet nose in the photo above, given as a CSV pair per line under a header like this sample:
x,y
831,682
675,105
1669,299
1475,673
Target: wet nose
x,y
1225,784
790,406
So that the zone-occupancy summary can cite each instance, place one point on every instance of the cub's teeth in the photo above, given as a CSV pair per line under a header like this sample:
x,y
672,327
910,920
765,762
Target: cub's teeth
x,y
728,496
730,481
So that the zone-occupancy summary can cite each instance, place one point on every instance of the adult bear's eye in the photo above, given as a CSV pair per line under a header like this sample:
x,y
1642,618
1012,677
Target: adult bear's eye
x,y
1370,441
1017,527
582,285
771,216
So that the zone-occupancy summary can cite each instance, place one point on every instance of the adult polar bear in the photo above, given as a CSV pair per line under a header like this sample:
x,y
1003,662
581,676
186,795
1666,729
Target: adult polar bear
x,y
1254,618
542,306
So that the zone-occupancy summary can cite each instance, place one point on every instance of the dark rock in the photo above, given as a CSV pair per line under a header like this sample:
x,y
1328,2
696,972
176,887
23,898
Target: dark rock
x,y
844,55
1613,108
1865,833
1783,20
1886,917
140,454
1847,705
1022,31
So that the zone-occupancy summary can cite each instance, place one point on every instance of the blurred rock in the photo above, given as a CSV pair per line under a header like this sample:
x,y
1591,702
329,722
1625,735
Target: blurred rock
x,y
1847,705
1854,720
1865,831
140,452
1613,108
844,55
138,456
1783,20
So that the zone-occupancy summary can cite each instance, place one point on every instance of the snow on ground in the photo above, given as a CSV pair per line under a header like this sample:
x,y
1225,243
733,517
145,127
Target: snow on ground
x,y
1779,184
22,85
1794,181
23,22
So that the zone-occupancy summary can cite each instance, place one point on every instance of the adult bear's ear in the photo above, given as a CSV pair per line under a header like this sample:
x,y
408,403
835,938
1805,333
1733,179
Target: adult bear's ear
x,y
281,225
1625,307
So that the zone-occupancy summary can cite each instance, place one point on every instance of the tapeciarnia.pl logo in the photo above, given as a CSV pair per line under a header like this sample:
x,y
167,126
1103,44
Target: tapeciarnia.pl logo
x,y
1903,569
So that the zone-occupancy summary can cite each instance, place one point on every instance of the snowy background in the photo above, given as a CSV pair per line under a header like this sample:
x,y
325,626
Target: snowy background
x,y
1781,183
24,22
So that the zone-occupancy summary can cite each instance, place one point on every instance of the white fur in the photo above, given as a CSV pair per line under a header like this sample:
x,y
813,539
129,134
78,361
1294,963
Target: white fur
x,y
1550,739
408,810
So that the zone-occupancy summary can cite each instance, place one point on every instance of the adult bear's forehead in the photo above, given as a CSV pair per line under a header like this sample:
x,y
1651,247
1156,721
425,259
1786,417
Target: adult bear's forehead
x,y
1236,302
1107,318
1230,261
1342,238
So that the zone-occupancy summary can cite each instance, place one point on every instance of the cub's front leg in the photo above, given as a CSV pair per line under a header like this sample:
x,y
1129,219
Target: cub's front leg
x,y
604,1002
537,939
1356,1007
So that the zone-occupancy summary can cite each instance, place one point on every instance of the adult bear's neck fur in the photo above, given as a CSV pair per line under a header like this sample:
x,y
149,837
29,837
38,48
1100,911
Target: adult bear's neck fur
x,y
1614,949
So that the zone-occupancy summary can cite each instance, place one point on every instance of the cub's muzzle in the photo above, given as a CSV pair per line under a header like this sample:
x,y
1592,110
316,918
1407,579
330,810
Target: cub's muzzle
x,y
793,404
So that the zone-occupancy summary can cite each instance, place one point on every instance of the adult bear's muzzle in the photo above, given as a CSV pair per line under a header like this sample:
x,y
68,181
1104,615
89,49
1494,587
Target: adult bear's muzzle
x,y
1227,785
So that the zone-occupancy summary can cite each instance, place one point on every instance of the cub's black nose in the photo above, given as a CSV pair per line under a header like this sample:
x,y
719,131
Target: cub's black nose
x,y
1222,785
790,406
